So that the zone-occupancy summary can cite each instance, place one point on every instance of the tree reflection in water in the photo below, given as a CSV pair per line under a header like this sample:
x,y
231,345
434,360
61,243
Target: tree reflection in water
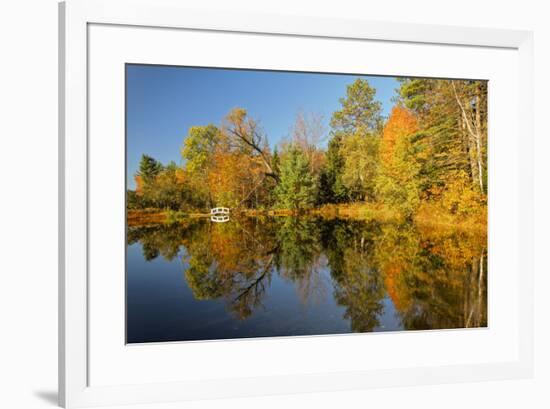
x,y
435,278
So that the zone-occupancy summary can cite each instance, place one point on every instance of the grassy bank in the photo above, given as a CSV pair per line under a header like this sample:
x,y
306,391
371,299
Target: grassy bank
x,y
362,211
427,216
144,217
434,217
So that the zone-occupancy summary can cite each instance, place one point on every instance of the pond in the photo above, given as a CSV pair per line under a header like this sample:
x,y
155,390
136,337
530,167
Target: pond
x,y
290,276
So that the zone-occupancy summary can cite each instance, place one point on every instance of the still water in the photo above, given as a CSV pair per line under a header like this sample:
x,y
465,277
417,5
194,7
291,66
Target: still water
x,y
285,276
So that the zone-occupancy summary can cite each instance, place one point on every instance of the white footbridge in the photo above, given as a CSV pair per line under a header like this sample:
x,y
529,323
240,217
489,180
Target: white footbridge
x,y
219,214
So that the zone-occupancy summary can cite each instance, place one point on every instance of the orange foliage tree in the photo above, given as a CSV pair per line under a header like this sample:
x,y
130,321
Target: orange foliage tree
x,y
235,178
397,184
401,124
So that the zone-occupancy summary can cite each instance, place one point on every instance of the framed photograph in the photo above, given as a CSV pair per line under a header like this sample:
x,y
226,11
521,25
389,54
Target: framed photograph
x,y
260,204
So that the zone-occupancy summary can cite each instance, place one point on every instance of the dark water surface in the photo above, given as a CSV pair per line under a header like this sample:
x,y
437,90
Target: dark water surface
x,y
284,276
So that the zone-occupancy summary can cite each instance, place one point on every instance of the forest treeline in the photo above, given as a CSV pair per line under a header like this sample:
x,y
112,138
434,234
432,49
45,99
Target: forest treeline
x,y
429,155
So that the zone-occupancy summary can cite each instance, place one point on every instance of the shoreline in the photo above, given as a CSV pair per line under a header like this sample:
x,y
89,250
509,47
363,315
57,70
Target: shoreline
x,y
424,218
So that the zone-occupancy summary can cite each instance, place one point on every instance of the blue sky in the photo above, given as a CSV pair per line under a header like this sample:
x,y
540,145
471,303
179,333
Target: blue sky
x,y
164,102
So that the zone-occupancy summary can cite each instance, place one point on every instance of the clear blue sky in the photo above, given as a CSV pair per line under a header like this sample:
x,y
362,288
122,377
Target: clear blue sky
x,y
164,102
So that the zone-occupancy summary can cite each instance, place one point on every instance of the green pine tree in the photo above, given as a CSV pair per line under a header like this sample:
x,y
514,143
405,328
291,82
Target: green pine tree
x,y
360,110
149,168
331,187
297,187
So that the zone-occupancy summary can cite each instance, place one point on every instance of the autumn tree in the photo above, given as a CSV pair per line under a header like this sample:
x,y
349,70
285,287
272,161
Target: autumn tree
x,y
438,142
352,152
168,189
360,153
452,135
236,179
245,133
198,149
159,186
471,98
199,146
308,132
397,184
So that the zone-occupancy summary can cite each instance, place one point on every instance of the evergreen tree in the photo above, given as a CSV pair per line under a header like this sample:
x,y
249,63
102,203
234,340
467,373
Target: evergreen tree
x,y
297,187
359,112
146,177
331,187
275,160
149,168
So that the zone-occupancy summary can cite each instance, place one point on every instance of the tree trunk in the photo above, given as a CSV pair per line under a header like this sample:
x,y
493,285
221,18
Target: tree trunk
x,y
474,130
469,153
479,134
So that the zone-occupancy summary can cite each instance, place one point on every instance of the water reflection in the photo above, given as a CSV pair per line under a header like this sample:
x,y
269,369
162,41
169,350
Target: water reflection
x,y
219,218
353,276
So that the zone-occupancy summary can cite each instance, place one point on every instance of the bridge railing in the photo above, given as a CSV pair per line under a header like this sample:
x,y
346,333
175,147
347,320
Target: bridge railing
x,y
219,210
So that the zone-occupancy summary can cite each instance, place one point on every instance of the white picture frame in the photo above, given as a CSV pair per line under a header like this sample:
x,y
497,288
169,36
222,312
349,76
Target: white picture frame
x,y
75,18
